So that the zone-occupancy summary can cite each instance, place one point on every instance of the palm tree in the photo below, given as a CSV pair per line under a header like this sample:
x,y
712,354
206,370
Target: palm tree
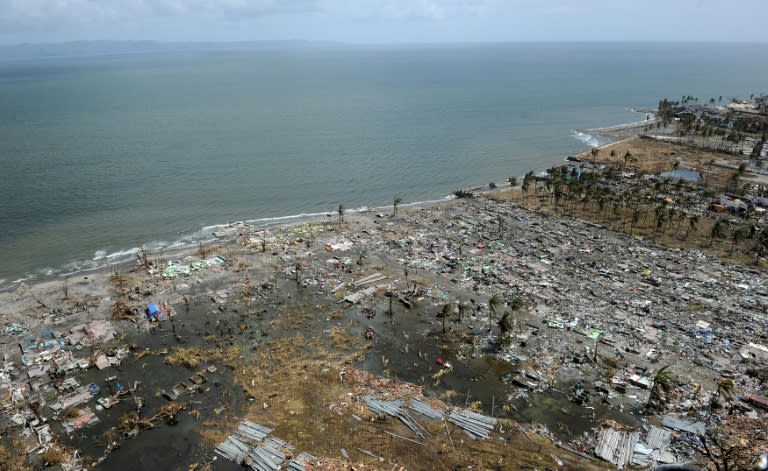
x,y
660,221
752,231
680,218
493,305
297,272
738,234
573,190
635,219
718,230
517,303
462,307
671,214
693,220
395,203
341,214
725,390
627,158
506,325
500,221
527,180
525,186
512,313
601,200
361,259
443,314
263,239
660,213
736,177
558,193
761,245
662,385
594,152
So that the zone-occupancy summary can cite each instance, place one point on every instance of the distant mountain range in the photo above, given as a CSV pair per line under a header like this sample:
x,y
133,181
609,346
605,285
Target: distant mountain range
x,y
95,48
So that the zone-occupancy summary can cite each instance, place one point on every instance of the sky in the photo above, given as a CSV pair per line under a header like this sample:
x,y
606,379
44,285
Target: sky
x,y
383,21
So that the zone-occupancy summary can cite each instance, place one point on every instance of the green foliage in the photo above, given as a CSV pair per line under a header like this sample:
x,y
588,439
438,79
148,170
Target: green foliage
x,y
662,385
395,203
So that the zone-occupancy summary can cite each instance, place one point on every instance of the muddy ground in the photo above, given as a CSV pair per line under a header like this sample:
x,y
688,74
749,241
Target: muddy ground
x,y
270,331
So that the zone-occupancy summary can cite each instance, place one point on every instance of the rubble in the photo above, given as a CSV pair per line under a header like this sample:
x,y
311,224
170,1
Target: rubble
x,y
604,312
394,409
617,446
476,425
252,446
683,425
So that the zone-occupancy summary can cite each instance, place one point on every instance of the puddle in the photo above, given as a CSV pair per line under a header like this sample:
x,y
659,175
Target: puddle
x,y
477,379
409,342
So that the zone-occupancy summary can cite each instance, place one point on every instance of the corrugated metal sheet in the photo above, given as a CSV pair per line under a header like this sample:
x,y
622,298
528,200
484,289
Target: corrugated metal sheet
x,y
658,438
299,463
679,423
251,446
617,446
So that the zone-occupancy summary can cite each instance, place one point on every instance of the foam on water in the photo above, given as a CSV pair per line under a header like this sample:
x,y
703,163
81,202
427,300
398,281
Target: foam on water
x,y
420,122
103,258
586,138
291,217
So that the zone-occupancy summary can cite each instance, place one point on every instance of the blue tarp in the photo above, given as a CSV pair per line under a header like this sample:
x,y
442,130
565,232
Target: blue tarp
x,y
152,309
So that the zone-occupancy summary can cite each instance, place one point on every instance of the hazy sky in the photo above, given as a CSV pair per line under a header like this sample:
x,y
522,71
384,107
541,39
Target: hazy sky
x,y
383,21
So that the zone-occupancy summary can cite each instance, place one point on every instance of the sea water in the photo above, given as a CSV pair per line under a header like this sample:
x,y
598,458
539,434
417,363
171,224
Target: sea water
x,y
100,156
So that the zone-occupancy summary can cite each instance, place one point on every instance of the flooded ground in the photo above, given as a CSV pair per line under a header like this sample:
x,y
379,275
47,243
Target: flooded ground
x,y
479,305
406,346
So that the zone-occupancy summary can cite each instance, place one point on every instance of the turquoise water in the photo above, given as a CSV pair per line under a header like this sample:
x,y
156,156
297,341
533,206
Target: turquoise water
x,y
101,155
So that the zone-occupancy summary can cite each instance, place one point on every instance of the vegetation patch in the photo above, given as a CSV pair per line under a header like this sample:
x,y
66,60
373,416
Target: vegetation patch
x,y
192,357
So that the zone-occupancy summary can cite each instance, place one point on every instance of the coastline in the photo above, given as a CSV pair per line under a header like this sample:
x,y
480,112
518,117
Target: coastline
x,y
190,239
320,285
206,236
609,135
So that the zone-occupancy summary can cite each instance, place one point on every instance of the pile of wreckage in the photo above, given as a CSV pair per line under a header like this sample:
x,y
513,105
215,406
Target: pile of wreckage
x,y
592,293
252,446
43,390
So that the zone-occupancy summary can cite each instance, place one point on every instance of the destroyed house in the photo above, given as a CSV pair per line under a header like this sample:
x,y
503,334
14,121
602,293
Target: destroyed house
x,y
754,351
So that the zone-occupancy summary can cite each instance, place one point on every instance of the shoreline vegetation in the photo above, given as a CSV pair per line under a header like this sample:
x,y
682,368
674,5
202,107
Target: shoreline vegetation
x,y
532,302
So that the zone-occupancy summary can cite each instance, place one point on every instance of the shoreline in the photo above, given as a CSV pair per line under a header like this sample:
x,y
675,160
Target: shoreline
x,y
319,285
129,256
206,233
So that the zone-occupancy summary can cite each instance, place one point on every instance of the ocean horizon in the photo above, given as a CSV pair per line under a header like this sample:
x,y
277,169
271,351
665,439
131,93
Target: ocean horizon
x,y
105,154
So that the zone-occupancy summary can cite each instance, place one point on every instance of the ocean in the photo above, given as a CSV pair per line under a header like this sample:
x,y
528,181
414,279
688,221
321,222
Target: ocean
x,y
103,155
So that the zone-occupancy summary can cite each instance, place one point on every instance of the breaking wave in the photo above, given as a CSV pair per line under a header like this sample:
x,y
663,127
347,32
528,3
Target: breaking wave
x,y
587,138
102,258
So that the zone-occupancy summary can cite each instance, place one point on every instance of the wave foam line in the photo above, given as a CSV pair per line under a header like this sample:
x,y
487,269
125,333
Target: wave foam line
x,y
102,258
587,138
619,127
